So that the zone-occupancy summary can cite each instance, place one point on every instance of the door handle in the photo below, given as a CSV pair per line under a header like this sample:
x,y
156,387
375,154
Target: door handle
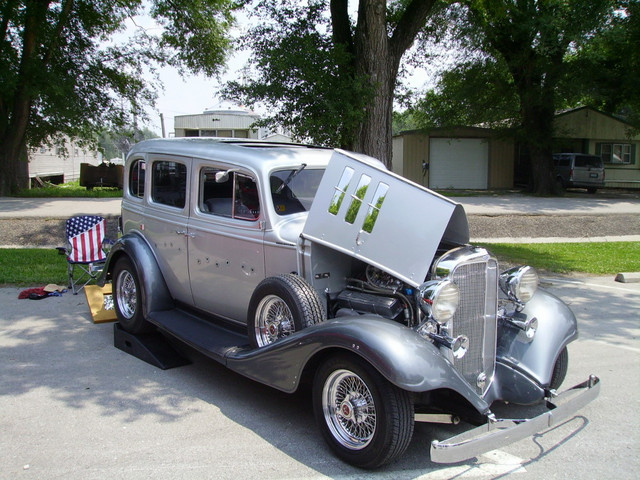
x,y
185,233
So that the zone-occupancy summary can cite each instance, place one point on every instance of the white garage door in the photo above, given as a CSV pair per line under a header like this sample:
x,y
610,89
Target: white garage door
x,y
458,163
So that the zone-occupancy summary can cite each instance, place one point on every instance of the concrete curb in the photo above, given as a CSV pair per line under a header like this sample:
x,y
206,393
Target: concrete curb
x,y
617,238
628,277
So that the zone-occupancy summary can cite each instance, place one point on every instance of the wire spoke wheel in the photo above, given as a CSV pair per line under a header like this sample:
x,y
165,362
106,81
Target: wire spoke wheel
x,y
281,306
365,419
349,409
126,294
273,320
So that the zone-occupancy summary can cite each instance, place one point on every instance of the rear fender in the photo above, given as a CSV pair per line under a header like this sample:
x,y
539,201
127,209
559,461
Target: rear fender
x,y
155,294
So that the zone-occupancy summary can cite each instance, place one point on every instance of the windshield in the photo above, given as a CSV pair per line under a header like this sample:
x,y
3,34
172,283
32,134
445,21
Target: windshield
x,y
293,192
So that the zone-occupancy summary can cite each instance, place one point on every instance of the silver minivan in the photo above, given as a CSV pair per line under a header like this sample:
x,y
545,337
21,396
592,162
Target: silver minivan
x,y
579,170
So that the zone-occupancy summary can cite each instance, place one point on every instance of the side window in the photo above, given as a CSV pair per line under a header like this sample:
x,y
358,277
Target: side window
x,y
136,178
169,183
232,195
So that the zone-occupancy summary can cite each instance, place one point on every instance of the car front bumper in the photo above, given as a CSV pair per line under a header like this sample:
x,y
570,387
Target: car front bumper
x,y
500,432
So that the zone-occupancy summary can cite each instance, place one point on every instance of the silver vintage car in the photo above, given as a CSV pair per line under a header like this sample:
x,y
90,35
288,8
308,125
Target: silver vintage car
x,y
298,265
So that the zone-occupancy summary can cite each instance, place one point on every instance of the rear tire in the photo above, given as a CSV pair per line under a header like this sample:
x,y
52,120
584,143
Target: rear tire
x,y
128,297
365,419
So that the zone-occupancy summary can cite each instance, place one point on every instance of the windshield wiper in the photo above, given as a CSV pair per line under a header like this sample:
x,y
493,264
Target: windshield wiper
x,y
291,176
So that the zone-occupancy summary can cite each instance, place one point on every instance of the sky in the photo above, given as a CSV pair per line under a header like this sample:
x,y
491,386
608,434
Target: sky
x,y
188,94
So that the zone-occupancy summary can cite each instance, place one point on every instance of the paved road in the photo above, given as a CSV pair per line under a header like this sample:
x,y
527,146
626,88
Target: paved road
x,y
75,407
478,205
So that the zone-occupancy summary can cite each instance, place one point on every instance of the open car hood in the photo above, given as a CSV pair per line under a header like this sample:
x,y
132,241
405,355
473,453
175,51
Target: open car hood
x,y
370,213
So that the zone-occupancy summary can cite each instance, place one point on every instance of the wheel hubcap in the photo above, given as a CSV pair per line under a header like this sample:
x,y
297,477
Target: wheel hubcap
x,y
126,294
349,409
273,320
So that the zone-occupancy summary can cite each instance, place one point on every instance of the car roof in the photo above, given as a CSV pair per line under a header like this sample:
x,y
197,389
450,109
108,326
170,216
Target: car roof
x,y
253,154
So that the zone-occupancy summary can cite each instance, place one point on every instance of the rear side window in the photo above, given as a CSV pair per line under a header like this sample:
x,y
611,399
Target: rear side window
x,y
136,178
588,161
169,183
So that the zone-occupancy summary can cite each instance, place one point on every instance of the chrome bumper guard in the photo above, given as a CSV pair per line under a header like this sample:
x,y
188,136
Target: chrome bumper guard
x,y
500,432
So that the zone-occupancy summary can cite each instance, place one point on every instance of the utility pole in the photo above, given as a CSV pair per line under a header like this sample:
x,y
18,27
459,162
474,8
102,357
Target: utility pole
x,y
162,125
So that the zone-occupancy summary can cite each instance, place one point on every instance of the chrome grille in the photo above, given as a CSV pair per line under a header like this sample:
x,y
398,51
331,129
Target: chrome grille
x,y
475,318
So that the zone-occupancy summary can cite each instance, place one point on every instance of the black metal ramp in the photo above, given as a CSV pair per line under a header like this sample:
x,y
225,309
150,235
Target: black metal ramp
x,y
152,348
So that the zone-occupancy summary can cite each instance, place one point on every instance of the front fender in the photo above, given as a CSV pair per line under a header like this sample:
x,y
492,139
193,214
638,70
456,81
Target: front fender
x,y
155,294
400,355
534,361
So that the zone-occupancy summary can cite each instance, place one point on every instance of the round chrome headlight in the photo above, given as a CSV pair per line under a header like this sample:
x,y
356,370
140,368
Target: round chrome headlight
x,y
439,300
520,283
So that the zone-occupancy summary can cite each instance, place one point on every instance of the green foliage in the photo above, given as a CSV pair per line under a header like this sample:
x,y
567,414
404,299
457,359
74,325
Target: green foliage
x,y
307,80
406,121
355,205
372,215
334,208
471,93
604,69
519,63
62,72
116,144
329,74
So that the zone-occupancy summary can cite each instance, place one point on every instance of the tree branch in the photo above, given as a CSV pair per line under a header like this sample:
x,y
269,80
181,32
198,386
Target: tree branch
x,y
341,24
63,18
6,15
412,20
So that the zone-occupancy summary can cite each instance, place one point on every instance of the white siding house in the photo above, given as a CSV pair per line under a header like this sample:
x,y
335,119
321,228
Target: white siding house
x,y
50,163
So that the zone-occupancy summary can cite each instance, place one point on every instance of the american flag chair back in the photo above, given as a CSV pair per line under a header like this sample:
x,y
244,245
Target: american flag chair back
x,y
85,257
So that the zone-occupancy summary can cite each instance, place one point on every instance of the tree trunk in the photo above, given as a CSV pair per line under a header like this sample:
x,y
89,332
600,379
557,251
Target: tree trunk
x,y
373,61
13,136
538,114
376,57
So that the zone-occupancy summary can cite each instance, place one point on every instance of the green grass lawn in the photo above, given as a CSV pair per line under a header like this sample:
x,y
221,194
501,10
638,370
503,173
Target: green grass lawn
x,y
38,267
70,189
34,267
593,258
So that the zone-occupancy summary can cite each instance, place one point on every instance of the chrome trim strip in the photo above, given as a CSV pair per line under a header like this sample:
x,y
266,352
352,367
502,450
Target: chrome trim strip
x,y
501,432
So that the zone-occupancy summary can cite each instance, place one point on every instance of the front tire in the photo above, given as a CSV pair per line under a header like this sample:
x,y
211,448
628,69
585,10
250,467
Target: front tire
x,y
281,306
128,297
560,369
365,419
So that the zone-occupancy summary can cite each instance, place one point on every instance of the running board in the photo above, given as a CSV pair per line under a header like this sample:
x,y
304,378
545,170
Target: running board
x,y
213,341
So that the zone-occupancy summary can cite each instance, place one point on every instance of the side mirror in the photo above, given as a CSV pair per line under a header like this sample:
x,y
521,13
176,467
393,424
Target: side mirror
x,y
222,177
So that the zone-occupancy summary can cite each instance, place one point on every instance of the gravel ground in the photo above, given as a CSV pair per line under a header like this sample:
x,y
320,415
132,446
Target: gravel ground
x,y
49,232
41,232
536,226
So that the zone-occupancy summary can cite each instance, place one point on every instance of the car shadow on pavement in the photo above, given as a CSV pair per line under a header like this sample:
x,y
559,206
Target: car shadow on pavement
x,y
52,353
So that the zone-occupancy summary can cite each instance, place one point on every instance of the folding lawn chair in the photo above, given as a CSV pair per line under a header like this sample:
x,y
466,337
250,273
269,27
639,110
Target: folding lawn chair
x,y
85,256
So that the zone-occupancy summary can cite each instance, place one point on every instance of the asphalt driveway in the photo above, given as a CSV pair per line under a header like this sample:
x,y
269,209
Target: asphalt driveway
x,y
75,407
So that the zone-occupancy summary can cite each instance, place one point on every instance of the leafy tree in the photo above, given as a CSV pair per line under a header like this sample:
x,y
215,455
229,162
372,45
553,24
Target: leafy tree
x,y
116,144
604,70
329,77
521,51
61,72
